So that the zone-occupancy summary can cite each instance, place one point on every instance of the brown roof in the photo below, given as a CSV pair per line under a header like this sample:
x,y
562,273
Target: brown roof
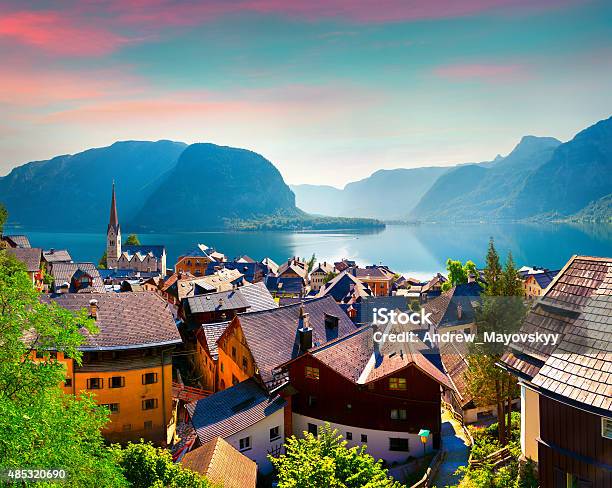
x,y
57,255
17,241
454,359
63,273
125,320
28,256
271,335
355,358
578,306
223,464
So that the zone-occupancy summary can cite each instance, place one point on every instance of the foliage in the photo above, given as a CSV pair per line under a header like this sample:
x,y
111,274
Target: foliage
x,y
102,262
329,276
133,240
325,460
146,466
3,217
311,262
43,428
458,273
301,222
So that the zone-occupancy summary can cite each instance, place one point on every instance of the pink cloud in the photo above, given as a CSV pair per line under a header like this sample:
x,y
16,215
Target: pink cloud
x,y
483,72
56,33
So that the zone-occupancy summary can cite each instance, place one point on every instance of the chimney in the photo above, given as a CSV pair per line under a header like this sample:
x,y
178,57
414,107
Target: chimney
x,y
221,302
331,321
459,311
93,308
304,330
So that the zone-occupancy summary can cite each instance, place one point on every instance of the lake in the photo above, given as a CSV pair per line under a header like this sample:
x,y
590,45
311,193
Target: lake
x,y
415,250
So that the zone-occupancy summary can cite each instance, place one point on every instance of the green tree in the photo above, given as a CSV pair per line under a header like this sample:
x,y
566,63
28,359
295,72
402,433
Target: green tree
x,y
146,466
311,262
102,262
41,426
325,460
459,273
133,240
3,217
502,311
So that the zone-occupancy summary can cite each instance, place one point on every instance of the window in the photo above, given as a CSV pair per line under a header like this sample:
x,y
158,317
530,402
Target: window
x,y
312,400
275,433
127,427
245,363
221,366
398,414
113,407
53,355
371,386
313,429
349,407
149,378
606,427
233,352
349,436
245,443
68,382
397,383
312,372
398,444
235,380
148,425
40,354
94,383
364,438
116,382
149,404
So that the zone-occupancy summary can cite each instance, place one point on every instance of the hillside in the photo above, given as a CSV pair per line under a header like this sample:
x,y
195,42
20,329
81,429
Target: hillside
x,y
481,192
386,194
72,192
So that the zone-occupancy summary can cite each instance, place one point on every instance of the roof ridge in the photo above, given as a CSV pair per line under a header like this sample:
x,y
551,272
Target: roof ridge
x,y
290,305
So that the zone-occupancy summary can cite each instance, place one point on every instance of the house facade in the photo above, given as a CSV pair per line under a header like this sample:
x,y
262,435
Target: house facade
x,y
127,365
566,388
319,274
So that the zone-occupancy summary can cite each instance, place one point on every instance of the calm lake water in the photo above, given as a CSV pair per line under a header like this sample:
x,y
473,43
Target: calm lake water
x,y
418,250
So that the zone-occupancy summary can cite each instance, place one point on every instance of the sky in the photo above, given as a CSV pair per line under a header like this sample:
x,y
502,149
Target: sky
x,y
328,90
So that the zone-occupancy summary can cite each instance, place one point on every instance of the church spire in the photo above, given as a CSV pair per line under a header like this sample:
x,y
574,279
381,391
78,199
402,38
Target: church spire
x,y
114,220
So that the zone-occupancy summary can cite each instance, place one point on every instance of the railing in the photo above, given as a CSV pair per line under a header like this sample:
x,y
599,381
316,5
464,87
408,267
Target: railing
x,y
431,472
188,393
495,459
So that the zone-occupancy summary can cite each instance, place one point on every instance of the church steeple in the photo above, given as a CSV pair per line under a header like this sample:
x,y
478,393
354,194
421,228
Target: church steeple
x,y
113,235
114,220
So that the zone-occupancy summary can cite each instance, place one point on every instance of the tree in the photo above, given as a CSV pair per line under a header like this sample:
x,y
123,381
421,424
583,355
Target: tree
x,y
3,217
502,311
102,262
146,466
325,460
41,426
311,262
133,240
458,273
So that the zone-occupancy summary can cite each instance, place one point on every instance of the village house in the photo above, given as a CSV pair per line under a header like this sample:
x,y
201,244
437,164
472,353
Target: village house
x,y
348,292
196,260
222,464
207,325
286,286
379,394
75,278
15,241
535,283
252,271
31,257
433,287
377,278
127,364
179,286
148,258
293,268
343,265
566,388
319,274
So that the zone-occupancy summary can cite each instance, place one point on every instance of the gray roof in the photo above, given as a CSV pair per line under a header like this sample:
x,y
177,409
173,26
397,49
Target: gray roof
x,y
156,250
217,302
232,410
258,297
213,332
63,273
125,320
28,256
18,241
57,256
272,334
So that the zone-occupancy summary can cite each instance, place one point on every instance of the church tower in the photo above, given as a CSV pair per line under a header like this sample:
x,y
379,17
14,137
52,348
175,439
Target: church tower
x,y
113,235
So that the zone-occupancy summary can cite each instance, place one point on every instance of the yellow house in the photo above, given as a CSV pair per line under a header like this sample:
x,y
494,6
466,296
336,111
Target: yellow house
x,y
127,365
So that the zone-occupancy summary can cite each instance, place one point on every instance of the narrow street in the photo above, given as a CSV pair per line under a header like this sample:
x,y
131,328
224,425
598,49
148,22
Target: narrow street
x,y
457,452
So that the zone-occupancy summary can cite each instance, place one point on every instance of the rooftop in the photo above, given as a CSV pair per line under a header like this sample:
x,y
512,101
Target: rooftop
x,y
28,256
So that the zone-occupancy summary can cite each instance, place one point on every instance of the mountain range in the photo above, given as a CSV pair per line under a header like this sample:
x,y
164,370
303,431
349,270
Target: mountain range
x,y
172,186
541,178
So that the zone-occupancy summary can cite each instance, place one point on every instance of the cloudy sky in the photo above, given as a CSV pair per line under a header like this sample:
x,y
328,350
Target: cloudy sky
x,y
328,90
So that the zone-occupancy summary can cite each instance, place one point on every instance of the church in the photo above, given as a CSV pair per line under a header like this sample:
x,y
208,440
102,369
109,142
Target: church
x,y
147,259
